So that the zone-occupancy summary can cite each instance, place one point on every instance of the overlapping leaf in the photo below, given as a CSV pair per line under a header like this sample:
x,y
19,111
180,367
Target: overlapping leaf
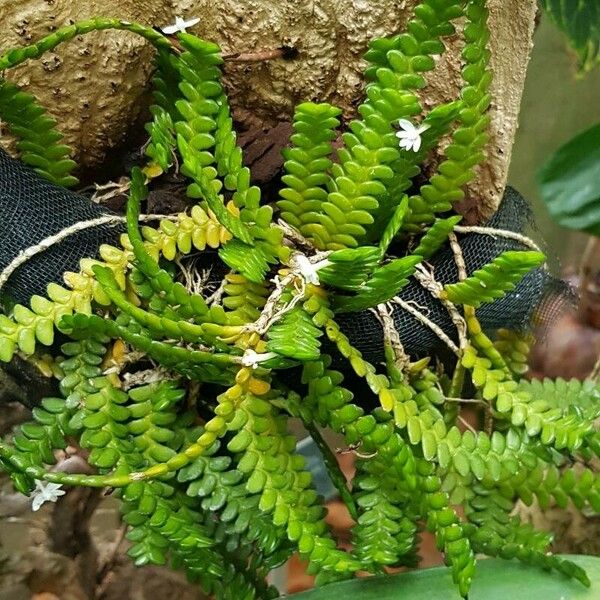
x,y
384,284
495,279
295,336
580,21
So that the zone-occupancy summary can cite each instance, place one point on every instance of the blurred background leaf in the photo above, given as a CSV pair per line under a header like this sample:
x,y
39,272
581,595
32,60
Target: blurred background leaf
x,y
570,182
580,21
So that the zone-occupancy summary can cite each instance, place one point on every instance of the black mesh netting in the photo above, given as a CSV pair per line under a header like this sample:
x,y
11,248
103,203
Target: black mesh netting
x,y
33,209
537,292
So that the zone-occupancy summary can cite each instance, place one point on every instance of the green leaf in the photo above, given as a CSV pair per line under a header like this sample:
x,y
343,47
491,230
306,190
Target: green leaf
x,y
162,139
39,140
250,261
436,235
206,190
494,579
351,267
307,168
580,21
295,336
386,282
495,279
394,225
570,182
442,116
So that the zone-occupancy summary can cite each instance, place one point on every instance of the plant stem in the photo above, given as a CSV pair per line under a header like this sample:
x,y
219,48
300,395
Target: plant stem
x,y
595,374
458,381
333,468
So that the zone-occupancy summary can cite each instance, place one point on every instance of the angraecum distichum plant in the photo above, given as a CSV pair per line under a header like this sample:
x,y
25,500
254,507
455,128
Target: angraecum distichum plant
x,y
356,303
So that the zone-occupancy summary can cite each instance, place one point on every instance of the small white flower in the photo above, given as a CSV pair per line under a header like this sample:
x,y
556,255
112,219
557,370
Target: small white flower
x,y
180,26
45,492
410,136
309,271
252,358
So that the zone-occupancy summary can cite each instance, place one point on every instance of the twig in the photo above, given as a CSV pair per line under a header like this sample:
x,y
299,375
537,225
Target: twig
x,y
470,318
336,475
384,313
458,377
466,400
459,259
294,236
129,357
353,449
467,424
269,313
110,190
216,296
505,233
195,281
428,323
104,571
427,280
62,235
146,376
422,307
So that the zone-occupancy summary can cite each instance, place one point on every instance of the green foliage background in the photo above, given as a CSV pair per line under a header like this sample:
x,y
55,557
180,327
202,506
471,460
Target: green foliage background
x,y
545,126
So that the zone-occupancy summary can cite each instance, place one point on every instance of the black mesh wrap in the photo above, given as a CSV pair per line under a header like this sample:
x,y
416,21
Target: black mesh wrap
x,y
32,209
514,311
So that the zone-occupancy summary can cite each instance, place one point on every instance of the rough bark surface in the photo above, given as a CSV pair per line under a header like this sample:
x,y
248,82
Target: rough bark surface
x,y
95,86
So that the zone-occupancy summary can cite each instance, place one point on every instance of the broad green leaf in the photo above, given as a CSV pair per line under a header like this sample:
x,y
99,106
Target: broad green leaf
x,y
494,579
440,119
251,261
570,182
394,225
203,188
580,21
435,236
38,139
162,140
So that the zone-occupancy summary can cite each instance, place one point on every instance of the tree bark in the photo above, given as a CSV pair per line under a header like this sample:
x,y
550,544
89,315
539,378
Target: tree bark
x,y
96,86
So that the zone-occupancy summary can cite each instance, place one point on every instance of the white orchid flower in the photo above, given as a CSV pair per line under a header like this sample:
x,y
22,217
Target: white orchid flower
x,y
179,26
45,492
410,136
309,271
252,358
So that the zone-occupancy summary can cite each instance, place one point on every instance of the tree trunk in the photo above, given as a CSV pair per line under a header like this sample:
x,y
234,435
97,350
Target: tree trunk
x,y
96,85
